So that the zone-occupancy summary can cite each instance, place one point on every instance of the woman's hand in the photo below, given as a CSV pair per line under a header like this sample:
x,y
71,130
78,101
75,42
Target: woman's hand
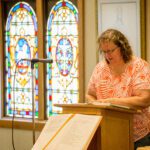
x,y
108,100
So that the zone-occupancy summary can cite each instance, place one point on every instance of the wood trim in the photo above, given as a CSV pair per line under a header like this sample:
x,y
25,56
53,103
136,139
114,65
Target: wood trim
x,y
41,50
22,124
115,124
1,61
143,28
97,35
41,53
81,51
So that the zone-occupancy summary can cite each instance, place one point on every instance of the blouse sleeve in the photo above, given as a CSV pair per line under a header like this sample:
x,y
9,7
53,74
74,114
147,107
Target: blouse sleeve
x,y
141,76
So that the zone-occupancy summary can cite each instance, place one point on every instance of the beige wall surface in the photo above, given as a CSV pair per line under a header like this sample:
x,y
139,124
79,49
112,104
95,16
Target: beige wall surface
x,y
90,34
22,139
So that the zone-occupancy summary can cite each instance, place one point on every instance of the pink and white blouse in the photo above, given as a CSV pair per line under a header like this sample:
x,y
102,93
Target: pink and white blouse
x,y
136,76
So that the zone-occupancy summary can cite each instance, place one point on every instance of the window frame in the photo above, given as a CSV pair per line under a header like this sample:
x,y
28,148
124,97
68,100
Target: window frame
x,y
20,123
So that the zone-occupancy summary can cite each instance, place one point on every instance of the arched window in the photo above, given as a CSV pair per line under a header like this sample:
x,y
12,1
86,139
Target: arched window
x,y
62,46
21,42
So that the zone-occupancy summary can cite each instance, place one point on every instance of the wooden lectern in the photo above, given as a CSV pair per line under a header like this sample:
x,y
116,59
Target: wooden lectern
x,y
116,131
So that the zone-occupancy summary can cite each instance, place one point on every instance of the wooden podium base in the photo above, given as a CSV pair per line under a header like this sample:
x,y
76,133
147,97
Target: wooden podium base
x,y
116,130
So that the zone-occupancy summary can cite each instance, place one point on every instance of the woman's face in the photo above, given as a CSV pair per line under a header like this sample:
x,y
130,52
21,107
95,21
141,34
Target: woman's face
x,y
111,52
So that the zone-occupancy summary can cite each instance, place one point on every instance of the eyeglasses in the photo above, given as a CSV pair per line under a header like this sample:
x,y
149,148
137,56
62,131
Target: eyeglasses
x,y
109,51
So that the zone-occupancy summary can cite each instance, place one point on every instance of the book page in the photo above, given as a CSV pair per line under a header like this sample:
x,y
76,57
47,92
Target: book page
x,y
108,104
51,127
77,134
74,135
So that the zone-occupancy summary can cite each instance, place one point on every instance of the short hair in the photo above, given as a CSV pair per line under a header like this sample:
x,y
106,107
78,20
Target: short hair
x,y
119,39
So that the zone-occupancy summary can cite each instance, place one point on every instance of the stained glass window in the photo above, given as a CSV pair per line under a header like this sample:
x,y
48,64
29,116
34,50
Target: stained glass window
x,y
62,46
21,42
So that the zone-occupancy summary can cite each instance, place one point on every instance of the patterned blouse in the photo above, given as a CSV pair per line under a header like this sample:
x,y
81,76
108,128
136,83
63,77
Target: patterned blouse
x,y
135,76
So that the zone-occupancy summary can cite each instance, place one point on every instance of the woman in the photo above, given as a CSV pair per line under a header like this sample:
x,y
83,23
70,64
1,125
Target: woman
x,y
122,79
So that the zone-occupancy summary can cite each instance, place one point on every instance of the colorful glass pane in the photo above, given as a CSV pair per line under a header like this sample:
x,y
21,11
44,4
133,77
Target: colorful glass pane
x,y
62,46
21,42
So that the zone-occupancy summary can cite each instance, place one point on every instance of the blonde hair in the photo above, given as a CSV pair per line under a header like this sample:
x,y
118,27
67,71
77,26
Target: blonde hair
x,y
119,39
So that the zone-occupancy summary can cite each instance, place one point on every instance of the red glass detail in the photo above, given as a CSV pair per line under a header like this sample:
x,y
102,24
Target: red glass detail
x,y
36,82
50,49
63,4
50,97
27,112
21,5
8,49
9,96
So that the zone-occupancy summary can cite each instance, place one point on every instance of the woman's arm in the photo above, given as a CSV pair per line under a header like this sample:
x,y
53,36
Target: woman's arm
x,y
141,99
90,96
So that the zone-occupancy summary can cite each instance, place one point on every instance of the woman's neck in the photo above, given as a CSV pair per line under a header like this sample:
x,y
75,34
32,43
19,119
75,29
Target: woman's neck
x,y
117,68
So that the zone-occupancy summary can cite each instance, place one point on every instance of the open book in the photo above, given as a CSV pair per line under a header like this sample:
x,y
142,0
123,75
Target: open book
x,y
108,104
68,132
